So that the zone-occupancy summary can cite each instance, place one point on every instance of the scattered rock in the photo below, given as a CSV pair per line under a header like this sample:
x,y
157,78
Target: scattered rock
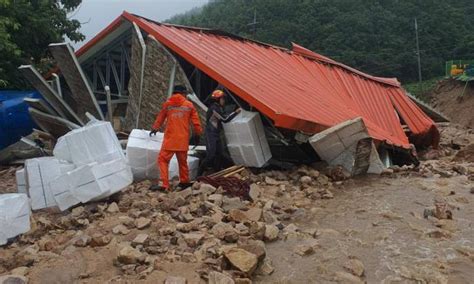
x,y
304,249
266,267
175,280
82,241
77,211
306,180
120,229
113,208
256,247
193,239
344,277
254,214
22,271
242,259
243,281
129,255
225,231
237,215
207,188
219,278
271,232
271,181
255,192
140,239
13,279
291,228
355,267
232,203
216,198
99,240
142,223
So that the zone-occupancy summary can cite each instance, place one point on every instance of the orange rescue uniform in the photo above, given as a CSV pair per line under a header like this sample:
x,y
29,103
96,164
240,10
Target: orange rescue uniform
x,y
178,113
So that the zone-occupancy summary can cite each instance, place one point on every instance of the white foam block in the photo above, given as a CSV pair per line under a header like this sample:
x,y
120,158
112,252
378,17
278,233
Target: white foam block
x,y
247,143
142,154
21,181
39,173
14,215
91,182
337,145
95,142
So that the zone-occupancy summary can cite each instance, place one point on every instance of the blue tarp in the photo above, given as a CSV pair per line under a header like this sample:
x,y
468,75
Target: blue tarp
x,y
15,121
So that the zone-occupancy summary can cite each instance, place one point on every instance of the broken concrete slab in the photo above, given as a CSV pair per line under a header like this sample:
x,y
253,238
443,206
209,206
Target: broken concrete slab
x,y
349,145
142,151
14,215
81,92
40,172
246,140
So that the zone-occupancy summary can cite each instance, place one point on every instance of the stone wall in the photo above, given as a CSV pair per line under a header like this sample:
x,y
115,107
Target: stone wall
x,y
133,84
157,71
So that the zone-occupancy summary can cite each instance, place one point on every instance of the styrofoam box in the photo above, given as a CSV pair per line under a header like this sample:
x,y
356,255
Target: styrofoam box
x,y
95,142
246,140
39,173
330,143
91,182
14,215
142,153
21,181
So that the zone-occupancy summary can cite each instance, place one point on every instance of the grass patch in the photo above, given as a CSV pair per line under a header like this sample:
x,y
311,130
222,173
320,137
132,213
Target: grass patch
x,y
427,86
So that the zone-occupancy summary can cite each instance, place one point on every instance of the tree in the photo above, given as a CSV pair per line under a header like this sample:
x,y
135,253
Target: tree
x,y
26,29
375,36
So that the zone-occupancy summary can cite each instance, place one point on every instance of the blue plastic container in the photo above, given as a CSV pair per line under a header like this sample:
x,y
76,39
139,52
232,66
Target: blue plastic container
x,y
15,121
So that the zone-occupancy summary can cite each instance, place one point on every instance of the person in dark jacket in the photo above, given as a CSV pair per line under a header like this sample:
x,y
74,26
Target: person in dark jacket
x,y
215,116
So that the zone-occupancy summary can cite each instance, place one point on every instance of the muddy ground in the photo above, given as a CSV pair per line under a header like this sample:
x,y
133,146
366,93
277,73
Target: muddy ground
x,y
300,226
455,100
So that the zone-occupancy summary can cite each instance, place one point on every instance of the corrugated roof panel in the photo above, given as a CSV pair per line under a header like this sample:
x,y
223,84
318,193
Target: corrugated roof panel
x,y
297,89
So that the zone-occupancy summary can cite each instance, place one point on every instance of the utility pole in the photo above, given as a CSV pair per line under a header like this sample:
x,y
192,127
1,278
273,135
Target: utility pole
x,y
419,58
254,23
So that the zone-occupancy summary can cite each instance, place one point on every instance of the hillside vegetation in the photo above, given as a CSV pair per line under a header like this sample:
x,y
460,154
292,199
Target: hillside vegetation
x,y
377,37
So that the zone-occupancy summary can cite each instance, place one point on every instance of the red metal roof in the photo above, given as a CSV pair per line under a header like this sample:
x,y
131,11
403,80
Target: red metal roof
x,y
298,89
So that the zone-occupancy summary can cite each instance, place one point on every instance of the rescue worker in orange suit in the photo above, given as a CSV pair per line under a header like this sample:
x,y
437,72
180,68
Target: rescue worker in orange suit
x,y
215,153
178,113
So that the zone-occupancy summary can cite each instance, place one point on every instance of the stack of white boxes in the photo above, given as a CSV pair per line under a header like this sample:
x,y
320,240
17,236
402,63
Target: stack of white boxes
x,y
14,215
142,154
246,140
39,173
88,164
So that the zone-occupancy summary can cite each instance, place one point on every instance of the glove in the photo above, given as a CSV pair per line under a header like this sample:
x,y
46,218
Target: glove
x,y
153,132
196,139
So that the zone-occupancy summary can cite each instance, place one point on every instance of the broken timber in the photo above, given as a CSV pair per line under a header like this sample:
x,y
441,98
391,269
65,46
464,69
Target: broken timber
x,y
56,102
54,125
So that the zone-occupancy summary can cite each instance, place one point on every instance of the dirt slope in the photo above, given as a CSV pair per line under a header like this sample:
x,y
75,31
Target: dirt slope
x,y
446,98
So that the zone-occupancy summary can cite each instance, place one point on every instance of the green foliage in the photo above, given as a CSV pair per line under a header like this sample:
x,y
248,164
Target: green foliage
x,y
375,36
422,92
26,29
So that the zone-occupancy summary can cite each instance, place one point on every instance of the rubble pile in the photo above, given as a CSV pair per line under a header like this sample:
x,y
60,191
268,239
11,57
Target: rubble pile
x,y
223,235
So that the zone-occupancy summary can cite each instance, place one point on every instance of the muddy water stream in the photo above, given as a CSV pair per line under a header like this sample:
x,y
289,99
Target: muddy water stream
x,y
380,222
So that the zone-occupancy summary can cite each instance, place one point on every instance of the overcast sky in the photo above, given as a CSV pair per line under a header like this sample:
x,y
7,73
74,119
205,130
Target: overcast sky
x,y
97,14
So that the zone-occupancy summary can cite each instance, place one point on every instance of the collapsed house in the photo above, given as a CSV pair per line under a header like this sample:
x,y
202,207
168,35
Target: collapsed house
x,y
128,70
298,106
